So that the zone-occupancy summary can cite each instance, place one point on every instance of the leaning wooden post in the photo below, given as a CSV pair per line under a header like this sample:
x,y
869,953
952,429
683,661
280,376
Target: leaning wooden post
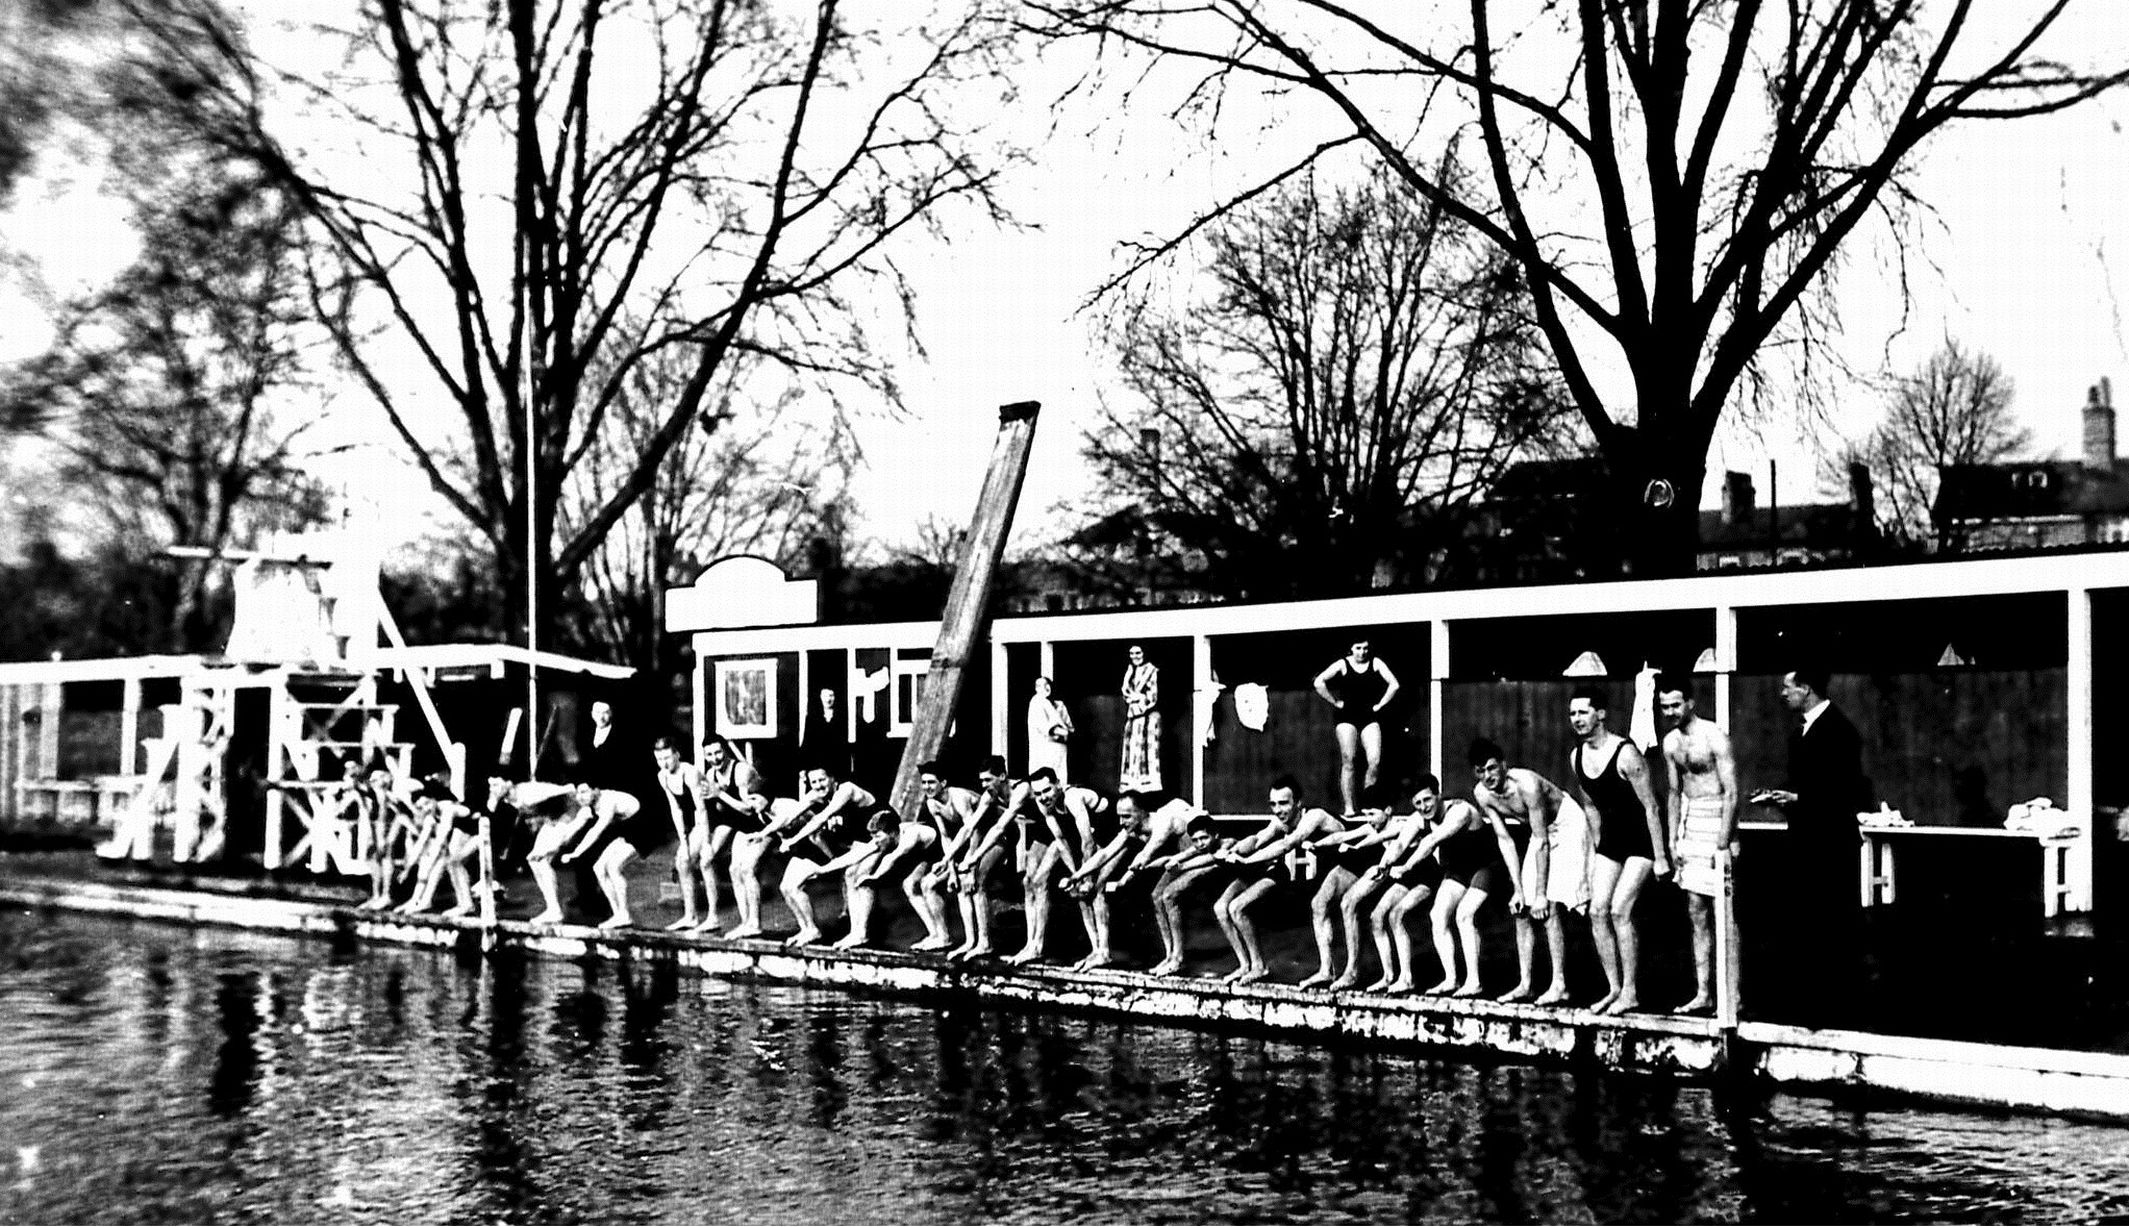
x,y
962,620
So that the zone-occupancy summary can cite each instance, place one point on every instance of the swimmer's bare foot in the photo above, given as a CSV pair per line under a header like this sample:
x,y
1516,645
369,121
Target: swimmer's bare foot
x,y
1521,992
1603,1005
1097,960
619,920
976,950
1402,984
1253,975
744,931
684,923
851,942
1700,1004
551,916
1381,984
457,909
707,928
372,904
1471,988
1021,958
1346,981
804,937
1321,977
1166,967
1624,1003
933,943
1446,986
1556,995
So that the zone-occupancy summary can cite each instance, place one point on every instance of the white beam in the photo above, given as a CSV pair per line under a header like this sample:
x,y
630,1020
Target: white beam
x,y
2078,727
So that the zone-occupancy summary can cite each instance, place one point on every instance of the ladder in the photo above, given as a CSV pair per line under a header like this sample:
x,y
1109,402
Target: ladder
x,y
317,715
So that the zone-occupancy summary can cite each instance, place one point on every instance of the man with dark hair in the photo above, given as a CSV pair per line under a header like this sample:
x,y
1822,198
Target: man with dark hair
x,y
1825,791
1701,774
1626,841
1056,832
1552,834
947,809
1257,860
978,853
826,824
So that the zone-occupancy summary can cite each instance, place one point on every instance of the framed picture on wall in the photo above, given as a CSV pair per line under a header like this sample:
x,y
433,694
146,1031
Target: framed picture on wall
x,y
746,698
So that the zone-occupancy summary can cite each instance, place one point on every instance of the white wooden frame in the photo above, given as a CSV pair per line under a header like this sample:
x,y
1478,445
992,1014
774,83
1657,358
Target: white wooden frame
x,y
758,677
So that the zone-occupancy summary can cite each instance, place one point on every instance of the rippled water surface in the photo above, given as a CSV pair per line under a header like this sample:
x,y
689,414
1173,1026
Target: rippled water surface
x,y
152,1073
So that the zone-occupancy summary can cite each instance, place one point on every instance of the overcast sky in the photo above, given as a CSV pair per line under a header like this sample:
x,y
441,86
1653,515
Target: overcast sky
x,y
2028,260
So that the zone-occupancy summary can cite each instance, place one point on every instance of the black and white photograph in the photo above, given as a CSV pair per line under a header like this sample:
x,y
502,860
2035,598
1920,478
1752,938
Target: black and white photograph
x,y
1064,611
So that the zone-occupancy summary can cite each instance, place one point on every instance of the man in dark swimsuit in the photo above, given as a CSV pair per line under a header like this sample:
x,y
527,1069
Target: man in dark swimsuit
x,y
823,827
1258,861
1342,859
1626,841
1056,832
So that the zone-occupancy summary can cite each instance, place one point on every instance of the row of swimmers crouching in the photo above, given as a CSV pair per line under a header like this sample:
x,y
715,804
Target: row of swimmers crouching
x,y
1369,874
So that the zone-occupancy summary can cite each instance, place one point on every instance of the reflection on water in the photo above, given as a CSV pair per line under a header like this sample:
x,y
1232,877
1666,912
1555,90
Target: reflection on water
x,y
155,1073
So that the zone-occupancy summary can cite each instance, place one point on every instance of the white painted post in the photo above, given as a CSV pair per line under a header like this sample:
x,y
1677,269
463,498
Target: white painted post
x,y
1200,688
1729,997
1725,663
1438,671
700,717
1002,700
129,728
2078,721
276,757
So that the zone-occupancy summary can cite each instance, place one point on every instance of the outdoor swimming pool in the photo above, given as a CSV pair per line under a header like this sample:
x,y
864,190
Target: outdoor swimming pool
x,y
158,1073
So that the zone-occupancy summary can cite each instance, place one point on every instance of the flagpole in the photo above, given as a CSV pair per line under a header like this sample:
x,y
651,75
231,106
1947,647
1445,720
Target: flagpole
x,y
532,570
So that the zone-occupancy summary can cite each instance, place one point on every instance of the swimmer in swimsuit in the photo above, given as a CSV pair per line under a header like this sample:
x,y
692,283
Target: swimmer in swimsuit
x,y
1358,686
1150,825
818,833
1258,868
621,831
1478,862
452,838
1056,829
1341,859
946,810
1407,878
980,851
680,785
1627,843
1555,862
735,804
1702,775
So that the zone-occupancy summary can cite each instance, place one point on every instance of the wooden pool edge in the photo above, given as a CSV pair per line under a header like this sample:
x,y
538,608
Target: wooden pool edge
x,y
2043,1080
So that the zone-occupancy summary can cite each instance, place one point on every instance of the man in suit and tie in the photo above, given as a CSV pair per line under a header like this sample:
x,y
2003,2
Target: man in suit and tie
x,y
1825,791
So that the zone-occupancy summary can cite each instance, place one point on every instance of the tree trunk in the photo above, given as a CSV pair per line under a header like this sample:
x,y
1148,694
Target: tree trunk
x,y
1655,497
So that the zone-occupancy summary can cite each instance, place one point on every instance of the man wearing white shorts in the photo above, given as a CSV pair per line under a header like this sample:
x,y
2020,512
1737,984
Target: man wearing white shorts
x,y
1555,869
1702,799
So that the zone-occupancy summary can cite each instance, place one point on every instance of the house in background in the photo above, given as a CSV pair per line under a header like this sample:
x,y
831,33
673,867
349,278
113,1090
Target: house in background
x,y
1542,522
1744,536
2040,504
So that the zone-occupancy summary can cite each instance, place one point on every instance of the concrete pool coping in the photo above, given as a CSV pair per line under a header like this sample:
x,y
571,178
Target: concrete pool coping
x,y
2047,1080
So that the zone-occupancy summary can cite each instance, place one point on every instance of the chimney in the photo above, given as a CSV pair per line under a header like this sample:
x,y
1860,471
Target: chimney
x,y
2099,427
1862,497
1737,500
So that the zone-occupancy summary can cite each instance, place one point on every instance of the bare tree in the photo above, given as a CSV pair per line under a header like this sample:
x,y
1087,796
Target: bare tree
x,y
748,478
160,391
1677,180
1954,410
1361,366
721,178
